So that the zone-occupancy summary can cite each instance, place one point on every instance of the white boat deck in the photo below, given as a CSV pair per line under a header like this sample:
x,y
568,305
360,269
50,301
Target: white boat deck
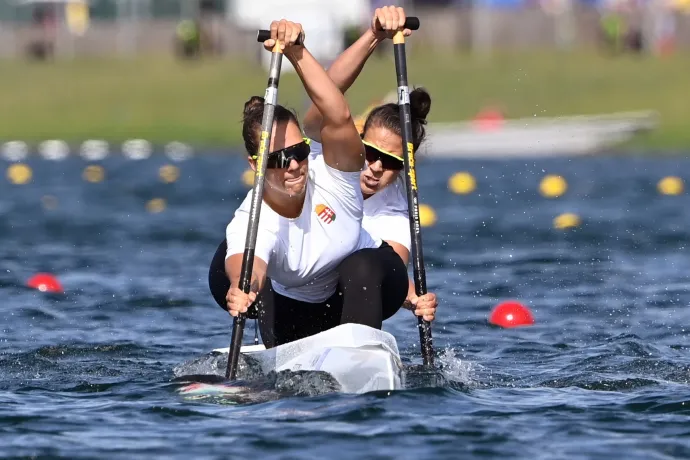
x,y
360,358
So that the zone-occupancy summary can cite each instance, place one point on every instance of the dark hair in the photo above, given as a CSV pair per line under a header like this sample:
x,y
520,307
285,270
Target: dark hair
x,y
388,116
251,121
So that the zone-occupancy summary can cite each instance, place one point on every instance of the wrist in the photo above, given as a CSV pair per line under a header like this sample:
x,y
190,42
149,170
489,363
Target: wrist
x,y
408,305
373,38
293,53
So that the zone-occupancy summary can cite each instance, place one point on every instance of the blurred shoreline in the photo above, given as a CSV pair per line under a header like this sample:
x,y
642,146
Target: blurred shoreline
x,y
199,103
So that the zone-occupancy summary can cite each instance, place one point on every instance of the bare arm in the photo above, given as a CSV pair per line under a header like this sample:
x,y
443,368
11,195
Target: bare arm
x,y
347,67
401,251
233,267
405,256
424,306
342,146
343,72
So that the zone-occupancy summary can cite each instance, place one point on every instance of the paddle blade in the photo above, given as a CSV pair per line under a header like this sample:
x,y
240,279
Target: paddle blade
x,y
210,379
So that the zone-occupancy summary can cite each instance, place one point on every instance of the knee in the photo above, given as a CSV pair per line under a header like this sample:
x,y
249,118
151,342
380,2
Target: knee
x,y
218,281
219,290
361,268
393,266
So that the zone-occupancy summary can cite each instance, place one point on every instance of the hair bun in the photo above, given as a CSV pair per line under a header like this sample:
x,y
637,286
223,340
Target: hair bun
x,y
252,104
420,104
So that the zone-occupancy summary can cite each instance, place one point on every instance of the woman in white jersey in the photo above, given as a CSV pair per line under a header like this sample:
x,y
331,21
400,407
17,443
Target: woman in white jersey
x,y
382,183
314,266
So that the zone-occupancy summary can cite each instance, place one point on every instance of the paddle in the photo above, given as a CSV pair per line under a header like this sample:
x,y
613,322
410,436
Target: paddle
x,y
411,182
270,101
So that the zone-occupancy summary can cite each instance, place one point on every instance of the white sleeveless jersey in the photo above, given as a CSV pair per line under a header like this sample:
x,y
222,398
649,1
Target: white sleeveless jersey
x,y
385,213
303,253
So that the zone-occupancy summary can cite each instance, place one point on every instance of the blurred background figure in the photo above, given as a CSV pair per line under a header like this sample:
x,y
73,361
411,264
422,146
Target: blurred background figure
x,y
188,38
531,59
141,27
44,15
197,35
665,19
622,26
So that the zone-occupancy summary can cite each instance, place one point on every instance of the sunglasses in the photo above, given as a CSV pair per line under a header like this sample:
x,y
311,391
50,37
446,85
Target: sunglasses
x,y
388,160
281,159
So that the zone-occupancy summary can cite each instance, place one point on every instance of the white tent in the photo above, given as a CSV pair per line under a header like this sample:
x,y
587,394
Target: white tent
x,y
323,21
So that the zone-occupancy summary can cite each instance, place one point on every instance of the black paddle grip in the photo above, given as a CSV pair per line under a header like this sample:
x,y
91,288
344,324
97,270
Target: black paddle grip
x,y
264,35
412,23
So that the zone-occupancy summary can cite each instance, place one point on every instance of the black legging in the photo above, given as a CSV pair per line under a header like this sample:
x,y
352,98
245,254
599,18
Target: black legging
x,y
372,287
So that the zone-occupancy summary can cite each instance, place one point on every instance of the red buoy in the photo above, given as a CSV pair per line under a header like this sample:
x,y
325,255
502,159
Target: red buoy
x,y
511,314
489,119
45,282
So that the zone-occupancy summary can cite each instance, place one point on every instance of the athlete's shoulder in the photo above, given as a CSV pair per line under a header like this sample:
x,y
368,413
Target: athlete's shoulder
x,y
334,185
392,200
246,203
315,148
329,178
269,218
318,163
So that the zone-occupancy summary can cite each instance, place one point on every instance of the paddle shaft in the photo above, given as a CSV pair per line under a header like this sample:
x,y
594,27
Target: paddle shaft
x,y
270,101
412,196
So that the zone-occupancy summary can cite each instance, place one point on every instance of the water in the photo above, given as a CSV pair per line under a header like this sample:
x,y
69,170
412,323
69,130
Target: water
x,y
603,373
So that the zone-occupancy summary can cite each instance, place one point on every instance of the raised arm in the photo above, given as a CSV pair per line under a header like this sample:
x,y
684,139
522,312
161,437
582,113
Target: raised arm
x,y
344,71
342,146
347,67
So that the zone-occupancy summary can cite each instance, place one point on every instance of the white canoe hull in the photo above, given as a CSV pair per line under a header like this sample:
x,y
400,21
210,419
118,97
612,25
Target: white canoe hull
x,y
360,358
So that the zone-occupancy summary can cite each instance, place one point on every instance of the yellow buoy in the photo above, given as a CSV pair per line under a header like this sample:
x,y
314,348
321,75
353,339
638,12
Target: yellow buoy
x,y
427,215
553,186
169,173
248,177
567,220
156,205
93,173
670,185
19,173
462,183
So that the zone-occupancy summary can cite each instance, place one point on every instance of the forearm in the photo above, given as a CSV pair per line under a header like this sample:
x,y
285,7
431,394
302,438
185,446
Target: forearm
x,y
327,99
347,67
233,269
343,72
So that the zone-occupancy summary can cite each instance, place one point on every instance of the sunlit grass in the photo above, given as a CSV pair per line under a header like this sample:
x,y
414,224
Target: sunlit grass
x,y
160,99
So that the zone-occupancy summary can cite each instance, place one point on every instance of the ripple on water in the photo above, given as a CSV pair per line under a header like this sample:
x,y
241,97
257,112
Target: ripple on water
x,y
603,373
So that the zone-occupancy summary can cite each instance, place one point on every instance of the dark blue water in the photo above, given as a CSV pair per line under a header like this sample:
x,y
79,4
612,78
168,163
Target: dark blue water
x,y
603,374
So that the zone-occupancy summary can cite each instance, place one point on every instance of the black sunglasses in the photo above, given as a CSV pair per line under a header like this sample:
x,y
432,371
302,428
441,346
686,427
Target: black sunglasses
x,y
388,160
281,158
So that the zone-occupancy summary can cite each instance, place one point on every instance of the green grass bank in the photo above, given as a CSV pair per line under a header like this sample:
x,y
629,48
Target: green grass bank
x,y
160,99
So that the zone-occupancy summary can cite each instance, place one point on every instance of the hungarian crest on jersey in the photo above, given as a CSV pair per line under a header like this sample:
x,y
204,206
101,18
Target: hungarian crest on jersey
x,y
325,213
